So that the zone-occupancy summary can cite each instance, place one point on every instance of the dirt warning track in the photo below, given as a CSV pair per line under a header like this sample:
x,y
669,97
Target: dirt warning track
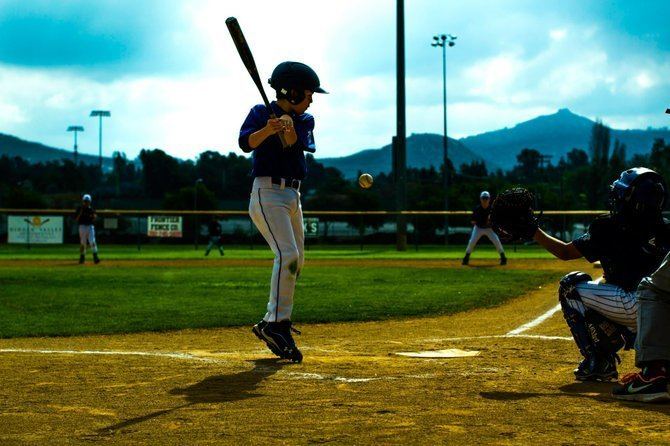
x,y
222,387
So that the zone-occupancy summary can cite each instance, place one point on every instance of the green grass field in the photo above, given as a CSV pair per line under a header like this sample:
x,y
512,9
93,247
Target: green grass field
x,y
177,252
67,299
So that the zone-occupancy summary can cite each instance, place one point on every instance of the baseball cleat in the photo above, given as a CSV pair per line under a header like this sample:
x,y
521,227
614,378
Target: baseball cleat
x,y
596,369
82,259
466,259
258,331
277,336
503,259
96,259
635,387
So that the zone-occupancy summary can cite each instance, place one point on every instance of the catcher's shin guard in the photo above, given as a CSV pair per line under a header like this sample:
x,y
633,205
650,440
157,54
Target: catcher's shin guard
x,y
608,337
580,333
568,297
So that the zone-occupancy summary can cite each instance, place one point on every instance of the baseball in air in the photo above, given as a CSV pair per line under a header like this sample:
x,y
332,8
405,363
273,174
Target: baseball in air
x,y
365,181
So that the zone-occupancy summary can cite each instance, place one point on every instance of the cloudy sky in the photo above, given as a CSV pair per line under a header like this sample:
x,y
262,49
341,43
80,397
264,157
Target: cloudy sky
x,y
172,79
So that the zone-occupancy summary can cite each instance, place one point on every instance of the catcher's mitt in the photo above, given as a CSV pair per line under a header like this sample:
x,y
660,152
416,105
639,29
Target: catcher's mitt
x,y
512,216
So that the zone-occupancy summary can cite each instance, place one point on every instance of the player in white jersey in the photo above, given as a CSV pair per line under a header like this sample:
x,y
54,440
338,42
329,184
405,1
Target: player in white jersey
x,y
481,226
85,216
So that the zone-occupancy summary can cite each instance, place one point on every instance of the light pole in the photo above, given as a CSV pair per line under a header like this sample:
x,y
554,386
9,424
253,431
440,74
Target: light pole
x,y
443,41
195,216
400,140
75,129
100,114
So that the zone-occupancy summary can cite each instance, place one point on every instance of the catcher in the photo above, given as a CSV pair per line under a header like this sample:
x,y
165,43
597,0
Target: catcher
x,y
630,242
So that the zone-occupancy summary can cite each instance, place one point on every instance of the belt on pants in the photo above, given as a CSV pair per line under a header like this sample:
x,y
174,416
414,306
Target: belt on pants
x,y
288,182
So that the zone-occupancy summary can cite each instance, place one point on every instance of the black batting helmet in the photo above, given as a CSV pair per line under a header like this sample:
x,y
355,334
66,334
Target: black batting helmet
x,y
638,193
291,79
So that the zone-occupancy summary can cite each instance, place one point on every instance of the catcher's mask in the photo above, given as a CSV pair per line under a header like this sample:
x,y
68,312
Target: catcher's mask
x,y
639,193
291,79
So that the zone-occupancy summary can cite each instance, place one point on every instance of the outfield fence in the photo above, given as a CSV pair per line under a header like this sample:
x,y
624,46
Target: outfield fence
x,y
141,227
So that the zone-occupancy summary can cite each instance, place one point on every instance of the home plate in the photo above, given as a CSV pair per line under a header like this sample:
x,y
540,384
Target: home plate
x,y
448,353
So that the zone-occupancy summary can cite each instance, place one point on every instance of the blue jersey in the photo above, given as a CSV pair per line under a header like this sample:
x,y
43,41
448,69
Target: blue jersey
x,y
269,158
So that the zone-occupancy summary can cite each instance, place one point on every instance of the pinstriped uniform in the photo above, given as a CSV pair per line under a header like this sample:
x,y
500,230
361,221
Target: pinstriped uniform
x,y
627,255
612,301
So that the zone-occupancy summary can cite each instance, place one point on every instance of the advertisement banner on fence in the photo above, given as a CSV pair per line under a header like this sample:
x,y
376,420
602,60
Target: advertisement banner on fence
x,y
311,227
163,226
34,229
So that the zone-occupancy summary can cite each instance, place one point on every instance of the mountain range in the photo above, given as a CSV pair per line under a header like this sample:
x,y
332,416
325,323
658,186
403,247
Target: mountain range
x,y
35,152
552,135
423,150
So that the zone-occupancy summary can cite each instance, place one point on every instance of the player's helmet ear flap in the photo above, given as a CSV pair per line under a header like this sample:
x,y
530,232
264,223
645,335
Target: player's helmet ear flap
x,y
294,96
638,193
291,79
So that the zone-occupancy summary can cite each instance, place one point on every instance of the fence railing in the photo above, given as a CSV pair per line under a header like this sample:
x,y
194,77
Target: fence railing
x,y
131,226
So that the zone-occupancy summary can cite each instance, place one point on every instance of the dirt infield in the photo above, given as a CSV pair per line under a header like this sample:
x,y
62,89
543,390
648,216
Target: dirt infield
x,y
220,387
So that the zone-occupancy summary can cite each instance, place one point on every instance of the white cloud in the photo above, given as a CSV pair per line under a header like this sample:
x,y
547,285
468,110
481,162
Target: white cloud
x,y
493,77
644,81
530,61
558,34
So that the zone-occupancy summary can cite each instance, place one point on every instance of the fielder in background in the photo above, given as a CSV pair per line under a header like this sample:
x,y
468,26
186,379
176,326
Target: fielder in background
x,y
630,242
85,216
275,196
481,226
215,236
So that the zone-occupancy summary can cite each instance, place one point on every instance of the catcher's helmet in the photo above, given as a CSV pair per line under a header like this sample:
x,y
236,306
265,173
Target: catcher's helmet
x,y
291,79
638,193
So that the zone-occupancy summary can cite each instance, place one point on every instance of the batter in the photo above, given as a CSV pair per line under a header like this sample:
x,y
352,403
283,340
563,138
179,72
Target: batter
x,y
275,196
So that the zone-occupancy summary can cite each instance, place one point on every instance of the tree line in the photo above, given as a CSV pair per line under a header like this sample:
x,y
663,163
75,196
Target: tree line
x,y
579,180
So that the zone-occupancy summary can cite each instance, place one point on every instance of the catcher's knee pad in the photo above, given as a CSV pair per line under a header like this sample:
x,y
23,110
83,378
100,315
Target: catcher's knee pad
x,y
573,313
566,287
608,337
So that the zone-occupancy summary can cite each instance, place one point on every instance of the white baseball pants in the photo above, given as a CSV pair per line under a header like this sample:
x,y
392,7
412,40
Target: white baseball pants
x,y
611,301
478,233
87,235
277,213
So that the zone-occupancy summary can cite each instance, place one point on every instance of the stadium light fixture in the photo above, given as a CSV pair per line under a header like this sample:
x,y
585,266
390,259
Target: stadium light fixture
x,y
100,114
443,41
76,129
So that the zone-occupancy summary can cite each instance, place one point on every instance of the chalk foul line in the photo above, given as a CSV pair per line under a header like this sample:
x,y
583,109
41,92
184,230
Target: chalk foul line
x,y
502,336
516,333
172,355
535,322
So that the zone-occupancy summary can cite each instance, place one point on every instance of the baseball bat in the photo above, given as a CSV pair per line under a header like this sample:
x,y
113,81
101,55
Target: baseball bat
x,y
249,63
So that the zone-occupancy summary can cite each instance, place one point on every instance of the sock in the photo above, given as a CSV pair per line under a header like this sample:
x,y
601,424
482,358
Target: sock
x,y
653,369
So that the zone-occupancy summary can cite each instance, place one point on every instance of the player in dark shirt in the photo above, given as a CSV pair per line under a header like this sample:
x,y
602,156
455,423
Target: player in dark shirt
x,y
85,216
630,242
481,226
275,206
215,238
